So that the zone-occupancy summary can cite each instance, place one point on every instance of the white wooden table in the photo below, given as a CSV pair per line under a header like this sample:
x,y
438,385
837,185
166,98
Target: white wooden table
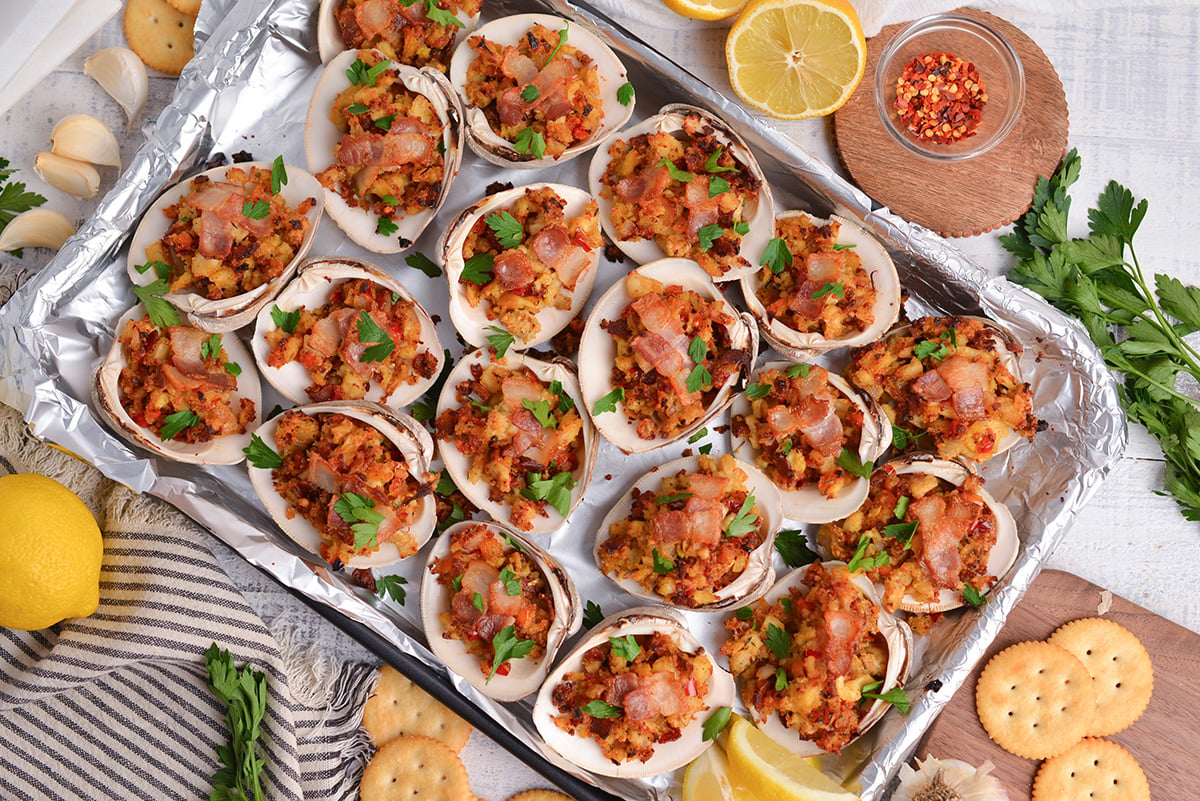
x,y
1131,82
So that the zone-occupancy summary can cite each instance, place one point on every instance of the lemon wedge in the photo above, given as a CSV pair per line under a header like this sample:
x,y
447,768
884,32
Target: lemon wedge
x,y
795,59
769,771
705,9
707,779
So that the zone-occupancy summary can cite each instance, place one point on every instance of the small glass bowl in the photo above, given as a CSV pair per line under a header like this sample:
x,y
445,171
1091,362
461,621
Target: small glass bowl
x,y
969,39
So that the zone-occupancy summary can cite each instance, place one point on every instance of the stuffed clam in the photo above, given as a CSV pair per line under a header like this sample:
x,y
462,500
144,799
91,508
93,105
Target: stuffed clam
x,y
514,438
385,141
664,352
955,379
809,653
928,533
348,480
186,394
631,699
220,245
419,34
345,330
539,90
496,608
683,184
523,260
799,424
827,284
696,533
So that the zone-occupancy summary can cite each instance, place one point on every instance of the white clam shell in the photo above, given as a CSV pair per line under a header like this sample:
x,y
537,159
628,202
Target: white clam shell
x,y
409,436
312,288
458,465
808,504
597,351
329,40
472,322
508,31
231,313
585,752
876,261
321,136
106,396
527,674
760,215
896,633
759,573
1004,552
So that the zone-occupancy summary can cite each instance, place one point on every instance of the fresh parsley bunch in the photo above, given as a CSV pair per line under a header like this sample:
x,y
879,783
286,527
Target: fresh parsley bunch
x,y
1139,329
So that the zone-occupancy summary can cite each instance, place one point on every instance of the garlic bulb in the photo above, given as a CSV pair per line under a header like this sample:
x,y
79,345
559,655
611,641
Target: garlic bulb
x,y
84,138
948,780
122,74
36,228
73,177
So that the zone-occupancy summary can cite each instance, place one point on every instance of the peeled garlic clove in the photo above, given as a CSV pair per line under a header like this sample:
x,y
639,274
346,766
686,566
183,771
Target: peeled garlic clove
x,y
36,228
73,177
85,138
122,74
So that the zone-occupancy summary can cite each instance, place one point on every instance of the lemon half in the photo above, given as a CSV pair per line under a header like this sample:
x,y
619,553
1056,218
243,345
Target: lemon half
x,y
705,9
770,771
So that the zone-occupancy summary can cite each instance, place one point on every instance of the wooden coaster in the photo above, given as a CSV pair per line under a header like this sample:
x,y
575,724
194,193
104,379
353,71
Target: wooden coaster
x,y
961,198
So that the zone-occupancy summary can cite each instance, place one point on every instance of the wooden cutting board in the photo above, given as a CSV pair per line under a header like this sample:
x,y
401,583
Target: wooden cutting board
x,y
1165,740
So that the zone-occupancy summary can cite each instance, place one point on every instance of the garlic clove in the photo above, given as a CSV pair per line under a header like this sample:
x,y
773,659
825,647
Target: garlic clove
x,y
36,228
122,74
84,138
73,177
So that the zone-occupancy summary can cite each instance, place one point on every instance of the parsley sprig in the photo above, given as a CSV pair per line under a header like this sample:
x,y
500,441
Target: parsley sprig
x,y
244,693
1140,330
364,521
508,645
14,198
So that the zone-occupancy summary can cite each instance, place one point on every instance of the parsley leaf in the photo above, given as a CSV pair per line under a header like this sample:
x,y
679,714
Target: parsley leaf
x,y
359,74
555,491
261,455
529,142
211,347
601,709
676,174
477,601
679,496
781,679
364,521
715,723
830,288
778,641
860,560
478,269
697,349
160,311
741,228
592,614
508,646
745,521
848,460
509,232
973,596
256,209
901,507
369,331
385,124
441,16
392,586
699,378
500,339
609,402
793,547
709,234
662,565
279,176
14,199
717,186
901,532
625,93
756,391
233,368
840,246
285,320
384,226
562,40
541,410
901,437
530,93
244,694
175,423
798,370
706,448
712,165
625,647
776,256
357,108
895,696
699,435
419,261
930,348
744,613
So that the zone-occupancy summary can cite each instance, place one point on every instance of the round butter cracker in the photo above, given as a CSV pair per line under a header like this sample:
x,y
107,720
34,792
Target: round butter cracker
x,y
414,768
189,7
397,706
1035,700
541,795
1091,770
1120,669
162,36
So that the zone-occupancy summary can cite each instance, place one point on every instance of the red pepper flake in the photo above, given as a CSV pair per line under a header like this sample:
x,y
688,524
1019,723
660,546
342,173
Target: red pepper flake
x,y
940,98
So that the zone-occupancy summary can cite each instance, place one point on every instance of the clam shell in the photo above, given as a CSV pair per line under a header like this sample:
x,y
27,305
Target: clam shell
x,y
759,215
808,504
508,31
106,396
473,322
759,573
459,465
231,313
312,288
407,434
876,261
586,753
597,350
526,674
1004,552
329,40
321,136
896,633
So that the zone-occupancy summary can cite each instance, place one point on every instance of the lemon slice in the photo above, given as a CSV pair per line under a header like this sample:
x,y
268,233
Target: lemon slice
x,y
795,59
705,9
707,779
770,771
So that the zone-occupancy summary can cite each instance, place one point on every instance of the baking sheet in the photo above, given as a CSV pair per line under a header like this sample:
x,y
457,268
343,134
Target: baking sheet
x,y
248,89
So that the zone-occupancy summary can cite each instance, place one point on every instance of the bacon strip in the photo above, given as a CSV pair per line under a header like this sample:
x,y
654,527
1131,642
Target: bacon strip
x,y
841,633
374,17
702,209
555,249
216,235
932,387
645,186
706,486
231,210
657,694
940,536
824,266
391,150
971,384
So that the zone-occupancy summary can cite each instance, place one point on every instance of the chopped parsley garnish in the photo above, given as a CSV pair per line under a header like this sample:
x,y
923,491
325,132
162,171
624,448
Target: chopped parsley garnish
x,y
793,547
778,641
697,349
895,696
509,232
386,227
385,124
530,93
592,614
785,448
932,348
679,496
830,288
562,40
625,647
445,485
512,583
419,261
609,402
744,613
369,331
357,108
848,460
776,256
359,74
233,368
565,403
555,491
541,410
14,199
901,437
256,209
500,339
699,378
699,435
478,269
973,596
901,507
390,200
286,320
662,565
705,448
625,93
456,583
279,176
798,370
529,142
260,454
901,532
477,601
161,269
392,586
160,311
745,521
715,723
860,560
709,234
601,709
717,185
711,164
508,646
173,424
364,521
844,247
756,391
781,679
211,347
676,173
439,15
741,228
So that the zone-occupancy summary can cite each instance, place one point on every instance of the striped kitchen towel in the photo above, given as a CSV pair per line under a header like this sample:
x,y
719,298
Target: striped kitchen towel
x,y
116,705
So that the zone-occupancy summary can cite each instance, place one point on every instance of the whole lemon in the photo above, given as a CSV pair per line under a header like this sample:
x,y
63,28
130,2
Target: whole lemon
x,y
50,553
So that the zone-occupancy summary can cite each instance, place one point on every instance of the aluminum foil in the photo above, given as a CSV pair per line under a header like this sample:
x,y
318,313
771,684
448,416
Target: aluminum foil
x,y
248,90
